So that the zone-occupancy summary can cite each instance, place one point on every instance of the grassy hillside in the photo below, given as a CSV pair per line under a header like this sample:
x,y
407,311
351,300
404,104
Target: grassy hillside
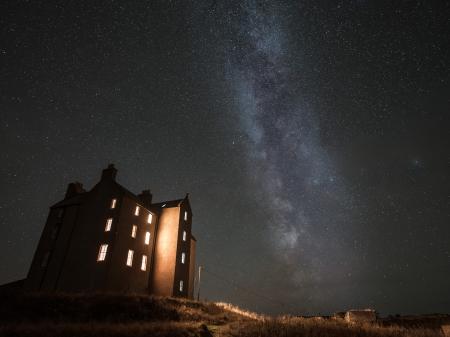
x,y
135,315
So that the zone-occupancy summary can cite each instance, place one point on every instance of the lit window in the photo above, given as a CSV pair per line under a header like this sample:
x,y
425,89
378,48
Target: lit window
x,y
150,217
136,210
45,259
102,253
108,225
183,257
113,203
147,238
181,286
133,231
184,235
130,258
144,263
185,215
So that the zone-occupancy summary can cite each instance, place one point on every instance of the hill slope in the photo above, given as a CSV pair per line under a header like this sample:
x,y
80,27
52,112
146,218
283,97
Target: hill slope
x,y
137,315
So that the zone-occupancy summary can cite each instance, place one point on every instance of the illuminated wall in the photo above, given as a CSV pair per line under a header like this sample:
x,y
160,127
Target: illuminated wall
x,y
165,257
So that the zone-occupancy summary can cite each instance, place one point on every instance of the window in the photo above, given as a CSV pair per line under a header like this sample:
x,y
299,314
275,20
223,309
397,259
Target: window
x,y
184,235
136,210
133,231
113,203
130,258
147,238
144,263
45,260
185,215
150,217
183,258
181,286
102,253
108,225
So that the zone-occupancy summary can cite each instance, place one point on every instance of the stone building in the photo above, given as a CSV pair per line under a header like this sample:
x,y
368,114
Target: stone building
x,y
111,240
361,316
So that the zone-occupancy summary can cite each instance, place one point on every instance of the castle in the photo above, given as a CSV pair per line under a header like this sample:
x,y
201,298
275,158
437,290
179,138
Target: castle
x,y
111,240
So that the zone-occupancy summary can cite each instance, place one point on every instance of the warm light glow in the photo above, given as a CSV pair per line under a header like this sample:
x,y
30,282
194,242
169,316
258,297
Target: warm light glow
x,y
181,285
183,257
113,203
147,238
102,252
144,263
184,235
108,224
136,210
130,258
185,215
133,231
150,217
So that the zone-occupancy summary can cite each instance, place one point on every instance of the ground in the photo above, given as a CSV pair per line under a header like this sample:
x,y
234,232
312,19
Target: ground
x,y
93,315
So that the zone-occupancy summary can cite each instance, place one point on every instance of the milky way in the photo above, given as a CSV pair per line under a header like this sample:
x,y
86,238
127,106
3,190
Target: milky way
x,y
308,206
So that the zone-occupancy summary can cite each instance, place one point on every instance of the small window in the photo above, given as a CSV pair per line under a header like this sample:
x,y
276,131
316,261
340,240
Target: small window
x,y
102,253
147,238
181,286
185,215
136,210
130,258
113,203
108,224
184,235
133,231
144,263
183,258
45,260
150,217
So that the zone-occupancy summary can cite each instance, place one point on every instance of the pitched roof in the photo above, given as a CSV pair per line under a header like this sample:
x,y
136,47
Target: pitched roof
x,y
168,203
75,200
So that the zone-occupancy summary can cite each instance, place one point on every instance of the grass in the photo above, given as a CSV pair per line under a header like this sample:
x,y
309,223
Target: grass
x,y
94,315
311,327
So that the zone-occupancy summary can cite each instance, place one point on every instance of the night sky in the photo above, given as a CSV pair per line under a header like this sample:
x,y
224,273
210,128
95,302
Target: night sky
x,y
313,138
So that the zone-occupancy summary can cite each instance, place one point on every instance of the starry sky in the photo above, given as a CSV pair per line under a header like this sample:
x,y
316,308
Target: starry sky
x,y
313,137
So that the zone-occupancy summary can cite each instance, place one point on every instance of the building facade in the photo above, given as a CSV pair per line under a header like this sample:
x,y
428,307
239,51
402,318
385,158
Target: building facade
x,y
111,240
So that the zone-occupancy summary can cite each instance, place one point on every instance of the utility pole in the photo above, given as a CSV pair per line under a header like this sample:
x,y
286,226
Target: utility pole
x,y
199,275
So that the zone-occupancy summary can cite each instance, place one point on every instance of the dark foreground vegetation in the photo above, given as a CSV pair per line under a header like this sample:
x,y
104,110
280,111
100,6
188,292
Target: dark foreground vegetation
x,y
114,315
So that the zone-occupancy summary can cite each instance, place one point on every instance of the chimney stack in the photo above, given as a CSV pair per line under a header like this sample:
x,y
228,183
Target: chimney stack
x,y
73,189
109,173
146,198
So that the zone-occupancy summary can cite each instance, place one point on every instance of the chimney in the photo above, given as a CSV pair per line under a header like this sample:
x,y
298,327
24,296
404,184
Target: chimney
x,y
146,198
73,189
109,173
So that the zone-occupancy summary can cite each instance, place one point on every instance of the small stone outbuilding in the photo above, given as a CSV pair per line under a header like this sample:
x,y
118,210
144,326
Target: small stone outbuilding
x,y
361,316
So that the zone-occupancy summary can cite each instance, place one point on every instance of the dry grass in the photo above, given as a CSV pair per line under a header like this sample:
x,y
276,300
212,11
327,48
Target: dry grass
x,y
96,329
119,308
316,327
95,315
245,313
